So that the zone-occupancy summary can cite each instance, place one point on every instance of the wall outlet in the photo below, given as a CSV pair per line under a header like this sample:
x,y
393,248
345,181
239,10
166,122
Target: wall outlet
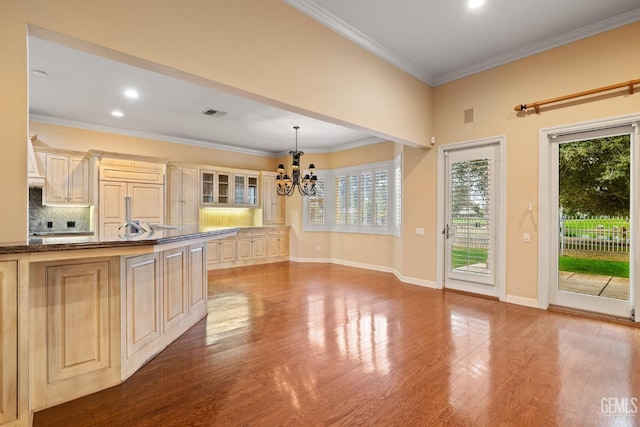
x,y
526,237
420,231
71,224
49,224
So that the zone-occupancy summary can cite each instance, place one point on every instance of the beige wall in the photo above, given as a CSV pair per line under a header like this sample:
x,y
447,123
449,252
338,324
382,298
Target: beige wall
x,y
358,249
289,60
604,59
265,50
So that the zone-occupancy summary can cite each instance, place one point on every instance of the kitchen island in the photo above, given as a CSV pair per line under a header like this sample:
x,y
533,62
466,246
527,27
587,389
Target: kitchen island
x,y
81,316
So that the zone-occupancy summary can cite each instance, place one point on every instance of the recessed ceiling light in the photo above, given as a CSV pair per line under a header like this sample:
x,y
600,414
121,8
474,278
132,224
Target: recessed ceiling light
x,y
117,113
131,93
475,3
39,73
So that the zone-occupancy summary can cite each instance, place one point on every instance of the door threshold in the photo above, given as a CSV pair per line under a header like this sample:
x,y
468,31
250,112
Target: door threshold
x,y
593,315
472,294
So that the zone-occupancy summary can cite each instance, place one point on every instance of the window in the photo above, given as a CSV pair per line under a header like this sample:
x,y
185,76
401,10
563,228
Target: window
x,y
361,199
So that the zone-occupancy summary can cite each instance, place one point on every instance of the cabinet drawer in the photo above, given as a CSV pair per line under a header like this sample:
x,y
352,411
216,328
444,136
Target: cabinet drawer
x,y
112,174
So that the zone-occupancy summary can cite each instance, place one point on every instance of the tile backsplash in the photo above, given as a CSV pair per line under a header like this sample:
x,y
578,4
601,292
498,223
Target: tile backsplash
x,y
59,217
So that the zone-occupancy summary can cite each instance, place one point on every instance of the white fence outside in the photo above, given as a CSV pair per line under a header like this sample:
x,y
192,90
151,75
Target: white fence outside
x,y
594,234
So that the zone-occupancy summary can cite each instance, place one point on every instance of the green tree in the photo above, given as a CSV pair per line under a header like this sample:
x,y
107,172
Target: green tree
x,y
595,176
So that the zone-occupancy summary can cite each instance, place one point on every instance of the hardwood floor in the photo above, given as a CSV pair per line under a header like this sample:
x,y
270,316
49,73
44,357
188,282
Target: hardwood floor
x,y
318,344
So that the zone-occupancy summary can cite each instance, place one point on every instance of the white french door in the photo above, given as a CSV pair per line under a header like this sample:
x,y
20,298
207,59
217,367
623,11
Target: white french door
x,y
590,289
471,219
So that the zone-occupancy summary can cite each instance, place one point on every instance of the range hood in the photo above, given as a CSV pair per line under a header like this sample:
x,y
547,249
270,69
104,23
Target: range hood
x,y
34,174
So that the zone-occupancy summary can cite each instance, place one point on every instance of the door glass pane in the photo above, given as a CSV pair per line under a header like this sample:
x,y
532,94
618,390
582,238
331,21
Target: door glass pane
x,y
471,216
207,187
595,200
223,188
239,189
252,190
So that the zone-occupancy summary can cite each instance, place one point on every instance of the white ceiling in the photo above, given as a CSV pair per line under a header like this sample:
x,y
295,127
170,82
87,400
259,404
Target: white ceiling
x,y
434,40
439,41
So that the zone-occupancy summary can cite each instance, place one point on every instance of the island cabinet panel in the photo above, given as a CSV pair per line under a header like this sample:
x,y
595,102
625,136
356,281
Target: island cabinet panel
x,y
197,277
142,301
77,319
75,350
175,287
8,342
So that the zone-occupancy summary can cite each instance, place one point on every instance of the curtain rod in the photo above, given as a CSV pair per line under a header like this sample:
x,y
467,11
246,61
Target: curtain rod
x,y
537,105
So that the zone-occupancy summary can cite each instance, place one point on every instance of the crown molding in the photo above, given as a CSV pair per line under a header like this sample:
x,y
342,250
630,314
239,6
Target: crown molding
x,y
314,11
334,23
147,135
563,39
337,148
187,141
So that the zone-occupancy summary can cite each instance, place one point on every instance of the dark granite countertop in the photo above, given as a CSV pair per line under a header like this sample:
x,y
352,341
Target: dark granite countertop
x,y
158,236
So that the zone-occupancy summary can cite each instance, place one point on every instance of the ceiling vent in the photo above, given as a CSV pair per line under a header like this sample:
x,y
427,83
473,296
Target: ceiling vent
x,y
213,113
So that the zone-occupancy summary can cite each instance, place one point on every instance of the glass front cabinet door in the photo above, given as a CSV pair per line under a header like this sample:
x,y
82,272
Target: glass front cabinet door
x,y
223,189
207,179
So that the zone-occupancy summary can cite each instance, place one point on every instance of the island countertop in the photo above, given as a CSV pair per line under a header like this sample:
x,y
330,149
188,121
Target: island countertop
x,y
157,236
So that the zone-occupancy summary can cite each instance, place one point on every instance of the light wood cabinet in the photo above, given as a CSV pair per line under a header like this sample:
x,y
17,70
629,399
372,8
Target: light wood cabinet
x,y
175,287
272,204
251,245
224,188
245,190
164,295
215,188
277,243
75,348
142,313
9,341
182,195
197,278
67,180
221,253
147,204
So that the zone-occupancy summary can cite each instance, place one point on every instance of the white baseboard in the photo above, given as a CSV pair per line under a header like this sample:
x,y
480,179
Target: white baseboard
x,y
404,279
527,302
414,281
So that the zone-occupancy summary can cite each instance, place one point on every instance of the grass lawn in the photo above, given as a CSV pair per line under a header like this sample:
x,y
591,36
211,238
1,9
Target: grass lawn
x,y
594,266
466,256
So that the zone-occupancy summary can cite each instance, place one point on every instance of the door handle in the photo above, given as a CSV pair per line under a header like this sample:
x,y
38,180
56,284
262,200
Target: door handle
x,y
446,231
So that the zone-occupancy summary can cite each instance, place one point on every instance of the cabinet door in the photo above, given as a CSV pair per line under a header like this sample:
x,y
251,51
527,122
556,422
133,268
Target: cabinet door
x,y
9,341
197,277
259,248
174,195
111,209
56,190
213,252
147,202
182,195
223,188
252,190
78,320
239,190
244,248
273,243
227,250
272,204
142,302
283,245
190,208
78,191
207,186
174,287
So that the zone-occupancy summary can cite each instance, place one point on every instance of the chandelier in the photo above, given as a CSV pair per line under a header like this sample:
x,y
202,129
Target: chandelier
x,y
286,184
